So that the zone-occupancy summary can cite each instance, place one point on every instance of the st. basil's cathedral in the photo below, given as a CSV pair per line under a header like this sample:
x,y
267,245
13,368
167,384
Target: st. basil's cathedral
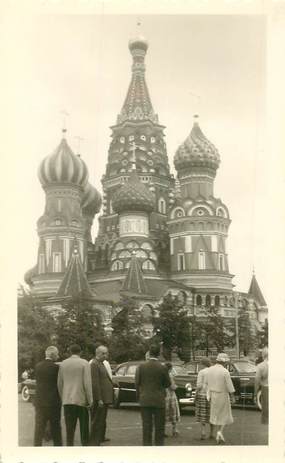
x,y
158,233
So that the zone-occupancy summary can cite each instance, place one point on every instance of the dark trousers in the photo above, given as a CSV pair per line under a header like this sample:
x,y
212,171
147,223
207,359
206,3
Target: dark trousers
x,y
45,415
71,414
152,415
98,423
264,405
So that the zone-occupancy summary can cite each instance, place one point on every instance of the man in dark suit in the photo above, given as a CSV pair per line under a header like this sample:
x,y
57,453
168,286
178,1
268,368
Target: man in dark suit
x,y
152,379
102,388
47,399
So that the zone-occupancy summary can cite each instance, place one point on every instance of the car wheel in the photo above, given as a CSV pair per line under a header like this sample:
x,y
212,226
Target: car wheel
x,y
258,400
116,401
26,394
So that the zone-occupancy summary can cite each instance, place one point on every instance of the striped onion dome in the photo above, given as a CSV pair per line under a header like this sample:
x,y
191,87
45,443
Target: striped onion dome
x,y
91,200
63,166
196,151
133,196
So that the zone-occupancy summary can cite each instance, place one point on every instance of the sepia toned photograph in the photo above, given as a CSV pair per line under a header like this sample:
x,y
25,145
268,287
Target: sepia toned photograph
x,y
143,291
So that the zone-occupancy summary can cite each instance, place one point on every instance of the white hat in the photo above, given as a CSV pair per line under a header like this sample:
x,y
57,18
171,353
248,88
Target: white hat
x,y
222,357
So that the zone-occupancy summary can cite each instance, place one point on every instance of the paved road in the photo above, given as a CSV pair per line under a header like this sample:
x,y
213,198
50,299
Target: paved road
x,y
124,428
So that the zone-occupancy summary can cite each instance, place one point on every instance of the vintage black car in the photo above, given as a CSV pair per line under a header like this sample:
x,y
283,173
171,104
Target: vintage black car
x,y
125,391
28,389
243,375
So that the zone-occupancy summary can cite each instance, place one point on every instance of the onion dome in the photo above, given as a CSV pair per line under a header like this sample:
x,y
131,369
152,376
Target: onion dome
x,y
91,200
28,277
133,196
138,43
63,166
196,151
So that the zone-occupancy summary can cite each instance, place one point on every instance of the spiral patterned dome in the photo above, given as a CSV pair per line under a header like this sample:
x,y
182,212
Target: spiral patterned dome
x,y
134,196
138,43
63,166
91,200
197,150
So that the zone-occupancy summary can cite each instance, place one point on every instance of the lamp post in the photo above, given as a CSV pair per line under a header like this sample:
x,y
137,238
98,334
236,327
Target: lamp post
x,y
236,297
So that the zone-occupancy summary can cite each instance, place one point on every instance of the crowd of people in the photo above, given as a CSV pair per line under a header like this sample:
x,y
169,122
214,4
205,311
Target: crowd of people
x,y
85,391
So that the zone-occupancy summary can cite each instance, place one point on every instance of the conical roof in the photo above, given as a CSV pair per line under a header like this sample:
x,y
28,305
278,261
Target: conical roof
x,y
196,150
255,292
134,281
133,196
137,105
74,281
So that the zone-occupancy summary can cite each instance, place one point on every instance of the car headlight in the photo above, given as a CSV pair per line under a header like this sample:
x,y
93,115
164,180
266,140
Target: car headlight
x,y
188,387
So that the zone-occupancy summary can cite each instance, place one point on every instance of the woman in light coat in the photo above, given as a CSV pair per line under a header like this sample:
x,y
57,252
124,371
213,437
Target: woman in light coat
x,y
219,388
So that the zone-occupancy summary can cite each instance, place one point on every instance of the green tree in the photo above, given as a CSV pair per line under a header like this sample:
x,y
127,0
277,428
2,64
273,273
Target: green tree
x,y
172,323
78,322
127,341
247,337
36,327
263,335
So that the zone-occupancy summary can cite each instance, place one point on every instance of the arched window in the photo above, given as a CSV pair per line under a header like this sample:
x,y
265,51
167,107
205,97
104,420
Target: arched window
x,y
162,206
201,262
118,265
56,263
199,300
111,207
148,265
226,301
208,300
217,301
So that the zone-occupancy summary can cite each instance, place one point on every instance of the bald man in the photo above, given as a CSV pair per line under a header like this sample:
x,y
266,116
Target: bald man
x,y
47,400
102,388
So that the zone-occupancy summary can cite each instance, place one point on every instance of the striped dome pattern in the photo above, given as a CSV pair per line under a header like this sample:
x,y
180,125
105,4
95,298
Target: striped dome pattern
x,y
91,200
63,166
134,196
197,150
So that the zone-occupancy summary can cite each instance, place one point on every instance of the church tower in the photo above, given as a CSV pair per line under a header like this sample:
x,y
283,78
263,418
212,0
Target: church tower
x,y
137,132
198,222
64,177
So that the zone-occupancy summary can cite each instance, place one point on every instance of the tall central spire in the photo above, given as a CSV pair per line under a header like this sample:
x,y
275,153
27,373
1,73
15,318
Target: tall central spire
x,y
137,105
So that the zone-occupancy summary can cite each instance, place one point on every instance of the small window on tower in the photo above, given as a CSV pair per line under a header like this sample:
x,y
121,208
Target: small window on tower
x,y
56,264
162,206
122,139
143,137
202,265
57,222
180,262
221,262
131,138
152,139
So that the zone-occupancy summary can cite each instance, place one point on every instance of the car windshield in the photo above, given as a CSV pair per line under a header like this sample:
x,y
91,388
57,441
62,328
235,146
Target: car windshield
x,y
179,370
245,367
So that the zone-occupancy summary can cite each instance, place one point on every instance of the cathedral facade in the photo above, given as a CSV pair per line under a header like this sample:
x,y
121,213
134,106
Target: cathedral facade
x,y
158,232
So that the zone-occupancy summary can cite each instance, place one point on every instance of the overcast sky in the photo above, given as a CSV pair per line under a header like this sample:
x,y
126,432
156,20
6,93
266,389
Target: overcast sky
x,y
210,65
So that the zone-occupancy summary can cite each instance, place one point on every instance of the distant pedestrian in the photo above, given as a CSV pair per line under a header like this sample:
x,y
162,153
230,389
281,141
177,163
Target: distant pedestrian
x,y
202,404
219,387
151,380
47,400
261,383
75,388
102,387
172,412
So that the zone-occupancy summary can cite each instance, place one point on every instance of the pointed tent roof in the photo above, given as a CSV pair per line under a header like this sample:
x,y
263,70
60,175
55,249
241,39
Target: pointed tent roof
x,y
255,291
134,281
137,105
74,281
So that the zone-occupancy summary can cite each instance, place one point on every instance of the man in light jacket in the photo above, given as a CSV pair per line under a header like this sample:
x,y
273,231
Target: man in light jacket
x,y
75,389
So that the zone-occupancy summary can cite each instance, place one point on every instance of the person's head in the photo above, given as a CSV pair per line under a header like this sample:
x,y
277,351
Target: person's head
x,y
101,353
154,350
52,353
265,353
222,358
168,365
75,349
206,362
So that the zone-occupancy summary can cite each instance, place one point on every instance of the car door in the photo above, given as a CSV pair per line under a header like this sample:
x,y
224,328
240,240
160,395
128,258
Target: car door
x,y
129,384
119,379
